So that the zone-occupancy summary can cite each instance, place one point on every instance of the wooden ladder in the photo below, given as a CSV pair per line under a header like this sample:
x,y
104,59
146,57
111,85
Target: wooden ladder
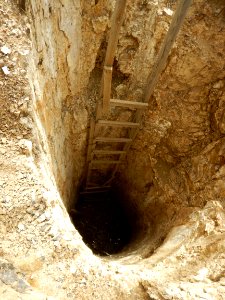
x,y
115,155
114,158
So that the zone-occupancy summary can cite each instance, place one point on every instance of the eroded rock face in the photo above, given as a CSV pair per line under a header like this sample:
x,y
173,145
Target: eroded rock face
x,y
177,160
55,76
66,39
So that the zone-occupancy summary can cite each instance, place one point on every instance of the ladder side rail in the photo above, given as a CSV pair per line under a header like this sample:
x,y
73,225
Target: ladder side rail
x,y
117,21
176,23
91,146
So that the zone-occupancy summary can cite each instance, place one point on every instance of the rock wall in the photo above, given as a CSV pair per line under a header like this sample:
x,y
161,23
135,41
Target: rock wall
x,y
58,75
176,163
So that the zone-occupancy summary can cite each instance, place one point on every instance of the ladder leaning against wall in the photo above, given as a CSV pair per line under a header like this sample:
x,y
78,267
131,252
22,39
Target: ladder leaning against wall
x,y
117,147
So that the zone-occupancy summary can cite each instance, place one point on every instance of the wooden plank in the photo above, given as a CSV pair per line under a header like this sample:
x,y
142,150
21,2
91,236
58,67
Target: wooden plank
x,y
121,158
107,82
98,167
92,184
158,67
88,174
108,162
98,188
112,176
128,104
90,140
117,20
90,150
92,192
117,123
108,152
112,140
126,147
177,21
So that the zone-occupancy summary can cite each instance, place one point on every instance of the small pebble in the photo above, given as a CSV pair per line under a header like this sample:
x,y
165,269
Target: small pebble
x,y
5,50
42,218
168,11
5,70
21,227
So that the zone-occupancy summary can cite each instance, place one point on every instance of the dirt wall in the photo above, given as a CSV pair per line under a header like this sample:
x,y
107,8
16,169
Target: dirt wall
x,y
176,162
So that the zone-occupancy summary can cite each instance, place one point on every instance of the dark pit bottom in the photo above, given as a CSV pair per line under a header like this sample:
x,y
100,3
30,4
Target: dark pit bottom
x,y
102,222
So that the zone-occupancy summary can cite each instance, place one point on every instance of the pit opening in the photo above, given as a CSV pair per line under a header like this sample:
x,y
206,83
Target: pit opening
x,y
103,222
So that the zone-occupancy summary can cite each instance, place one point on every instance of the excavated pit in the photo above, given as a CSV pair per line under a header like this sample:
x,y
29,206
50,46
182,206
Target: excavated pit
x,y
103,222
112,223
108,223
158,185
161,234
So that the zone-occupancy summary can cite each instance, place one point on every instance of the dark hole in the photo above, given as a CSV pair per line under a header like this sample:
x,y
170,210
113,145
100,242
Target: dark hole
x,y
102,222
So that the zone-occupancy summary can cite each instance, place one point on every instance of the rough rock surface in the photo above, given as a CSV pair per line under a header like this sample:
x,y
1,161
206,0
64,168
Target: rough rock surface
x,y
182,136
174,177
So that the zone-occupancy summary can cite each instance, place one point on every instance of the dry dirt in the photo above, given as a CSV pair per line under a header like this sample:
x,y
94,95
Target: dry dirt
x,y
42,256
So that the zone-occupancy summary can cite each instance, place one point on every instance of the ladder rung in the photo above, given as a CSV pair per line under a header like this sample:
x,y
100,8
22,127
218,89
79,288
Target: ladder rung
x,y
129,104
92,192
108,152
97,167
91,184
117,124
98,188
113,140
108,162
